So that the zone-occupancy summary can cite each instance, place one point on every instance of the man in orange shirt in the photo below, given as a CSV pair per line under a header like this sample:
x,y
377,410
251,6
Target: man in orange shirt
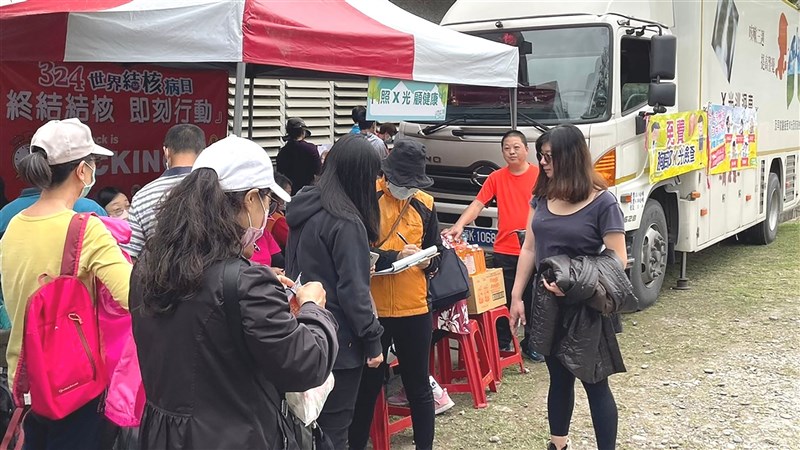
x,y
511,187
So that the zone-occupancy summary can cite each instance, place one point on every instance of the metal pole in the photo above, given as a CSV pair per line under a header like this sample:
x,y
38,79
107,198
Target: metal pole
x,y
513,106
238,100
683,282
250,96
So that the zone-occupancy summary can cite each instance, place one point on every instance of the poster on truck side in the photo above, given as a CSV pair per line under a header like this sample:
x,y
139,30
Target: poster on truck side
x,y
748,152
390,100
733,135
719,160
129,109
676,144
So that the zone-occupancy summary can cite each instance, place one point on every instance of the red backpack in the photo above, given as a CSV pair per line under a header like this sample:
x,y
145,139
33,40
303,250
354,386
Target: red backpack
x,y
60,363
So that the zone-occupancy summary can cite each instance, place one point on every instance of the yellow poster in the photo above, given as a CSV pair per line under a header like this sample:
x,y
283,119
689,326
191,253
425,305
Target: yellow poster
x,y
676,144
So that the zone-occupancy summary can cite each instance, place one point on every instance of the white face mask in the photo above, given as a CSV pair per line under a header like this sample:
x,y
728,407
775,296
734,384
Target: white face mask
x,y
252,234
88,187
401,193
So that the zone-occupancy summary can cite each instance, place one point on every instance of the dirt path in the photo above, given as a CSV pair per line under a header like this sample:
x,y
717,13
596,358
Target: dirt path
x,y
716,367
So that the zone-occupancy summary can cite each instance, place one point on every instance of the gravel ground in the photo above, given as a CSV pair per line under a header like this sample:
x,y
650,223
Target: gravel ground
x,y
715,367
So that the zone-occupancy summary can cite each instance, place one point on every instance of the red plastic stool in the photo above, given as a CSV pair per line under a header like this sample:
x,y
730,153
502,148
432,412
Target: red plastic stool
x,y
382,429
477,362
500,359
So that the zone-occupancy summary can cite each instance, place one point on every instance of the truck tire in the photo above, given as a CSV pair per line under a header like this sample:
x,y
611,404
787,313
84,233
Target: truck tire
x,y
766,231
649,249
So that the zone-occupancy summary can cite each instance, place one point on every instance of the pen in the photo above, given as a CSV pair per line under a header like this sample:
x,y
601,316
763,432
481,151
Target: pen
x,y
402,238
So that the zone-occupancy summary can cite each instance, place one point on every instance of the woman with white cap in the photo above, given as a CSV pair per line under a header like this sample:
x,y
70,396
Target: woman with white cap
x,y
62,165
217,342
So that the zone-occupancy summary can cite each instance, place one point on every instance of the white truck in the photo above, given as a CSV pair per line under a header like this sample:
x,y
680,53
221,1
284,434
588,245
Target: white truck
x,y
601,65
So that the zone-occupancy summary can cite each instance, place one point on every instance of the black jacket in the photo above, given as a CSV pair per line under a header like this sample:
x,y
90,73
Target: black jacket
x,y
335,252
580,328
201,392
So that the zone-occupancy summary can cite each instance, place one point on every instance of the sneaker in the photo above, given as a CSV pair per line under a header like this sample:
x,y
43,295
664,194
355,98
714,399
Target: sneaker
x,y
398,399
532,355
551,446
442,402
507,348
435,388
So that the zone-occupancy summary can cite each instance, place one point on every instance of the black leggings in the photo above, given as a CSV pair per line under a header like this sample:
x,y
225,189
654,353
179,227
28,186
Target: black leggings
x,y
412,343
561,401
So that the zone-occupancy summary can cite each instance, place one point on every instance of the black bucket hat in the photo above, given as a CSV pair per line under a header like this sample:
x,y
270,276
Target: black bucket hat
x,y
405,165
296,123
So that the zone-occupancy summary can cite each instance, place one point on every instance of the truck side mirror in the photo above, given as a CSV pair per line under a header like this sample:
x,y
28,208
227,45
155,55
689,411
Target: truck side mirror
x,y
661,94
663,53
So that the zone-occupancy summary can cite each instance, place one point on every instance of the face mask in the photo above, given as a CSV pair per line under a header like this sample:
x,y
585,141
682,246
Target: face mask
x,y
252,234
402,193
88,187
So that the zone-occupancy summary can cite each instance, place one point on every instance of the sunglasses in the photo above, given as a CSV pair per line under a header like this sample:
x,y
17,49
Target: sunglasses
x,y
547,157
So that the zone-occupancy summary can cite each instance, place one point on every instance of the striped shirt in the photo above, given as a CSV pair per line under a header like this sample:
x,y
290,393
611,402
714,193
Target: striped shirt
x,y
378,145
142,215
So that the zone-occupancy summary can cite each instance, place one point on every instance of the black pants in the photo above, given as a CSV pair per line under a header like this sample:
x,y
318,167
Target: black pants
x,y
509,265
412,343
561,401
337,414
84,429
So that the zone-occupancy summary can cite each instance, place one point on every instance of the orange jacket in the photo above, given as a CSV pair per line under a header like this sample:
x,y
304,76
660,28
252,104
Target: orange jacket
x,y
406,293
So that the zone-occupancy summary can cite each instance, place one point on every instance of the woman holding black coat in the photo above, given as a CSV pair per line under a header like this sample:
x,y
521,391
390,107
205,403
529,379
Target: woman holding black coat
x,y
217,343
571,214
330,228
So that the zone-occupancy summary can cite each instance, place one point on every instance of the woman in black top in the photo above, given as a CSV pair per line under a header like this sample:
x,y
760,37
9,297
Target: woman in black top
x,y
299,159
571,214
330,228
214,380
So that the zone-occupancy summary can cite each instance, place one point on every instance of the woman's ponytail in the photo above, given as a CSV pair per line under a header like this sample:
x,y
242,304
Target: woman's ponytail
x,y
34,170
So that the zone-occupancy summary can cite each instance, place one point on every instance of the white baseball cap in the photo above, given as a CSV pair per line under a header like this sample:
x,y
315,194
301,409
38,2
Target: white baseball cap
x,y
241,165
67,140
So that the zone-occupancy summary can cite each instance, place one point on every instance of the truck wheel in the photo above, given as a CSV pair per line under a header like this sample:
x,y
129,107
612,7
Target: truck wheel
x,y
766,231
649,254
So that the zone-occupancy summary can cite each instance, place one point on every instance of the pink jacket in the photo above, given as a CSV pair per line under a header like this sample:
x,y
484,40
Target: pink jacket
x,y
125,400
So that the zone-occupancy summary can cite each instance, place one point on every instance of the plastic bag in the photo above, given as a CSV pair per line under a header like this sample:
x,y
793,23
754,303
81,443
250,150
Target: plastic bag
x,y
308,405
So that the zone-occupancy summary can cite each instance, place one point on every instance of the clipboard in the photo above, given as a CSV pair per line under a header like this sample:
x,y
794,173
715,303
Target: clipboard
x,y
408,262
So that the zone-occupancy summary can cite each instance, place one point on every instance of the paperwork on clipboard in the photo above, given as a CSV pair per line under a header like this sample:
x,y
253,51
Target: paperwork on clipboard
x,y
409,261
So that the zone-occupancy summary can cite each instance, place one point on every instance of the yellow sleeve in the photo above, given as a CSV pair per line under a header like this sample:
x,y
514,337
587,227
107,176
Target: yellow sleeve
x,y
102,258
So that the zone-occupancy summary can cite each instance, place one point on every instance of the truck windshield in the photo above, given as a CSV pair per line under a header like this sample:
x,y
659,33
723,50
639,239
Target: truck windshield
x,y
564,77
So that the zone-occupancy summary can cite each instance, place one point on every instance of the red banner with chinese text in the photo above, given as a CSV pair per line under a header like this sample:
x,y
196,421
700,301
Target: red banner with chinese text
x,y
128,107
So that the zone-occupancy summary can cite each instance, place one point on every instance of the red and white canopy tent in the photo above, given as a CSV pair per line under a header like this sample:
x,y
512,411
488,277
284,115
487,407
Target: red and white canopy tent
x,y
359,37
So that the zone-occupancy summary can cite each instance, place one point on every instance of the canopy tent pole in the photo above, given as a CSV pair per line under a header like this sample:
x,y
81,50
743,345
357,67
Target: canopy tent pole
x,y
513,106
250,96
238,101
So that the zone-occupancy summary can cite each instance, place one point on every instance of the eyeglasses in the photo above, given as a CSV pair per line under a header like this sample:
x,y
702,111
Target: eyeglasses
x,y
273,206
547,157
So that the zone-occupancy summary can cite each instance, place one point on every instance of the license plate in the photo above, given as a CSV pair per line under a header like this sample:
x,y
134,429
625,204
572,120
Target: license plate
x,y
484,237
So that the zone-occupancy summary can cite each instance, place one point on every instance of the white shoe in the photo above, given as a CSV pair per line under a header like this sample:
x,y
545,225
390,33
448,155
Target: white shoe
x,y
442,402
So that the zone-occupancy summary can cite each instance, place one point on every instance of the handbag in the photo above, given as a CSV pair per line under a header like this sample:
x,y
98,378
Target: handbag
x,y
450,283
308,437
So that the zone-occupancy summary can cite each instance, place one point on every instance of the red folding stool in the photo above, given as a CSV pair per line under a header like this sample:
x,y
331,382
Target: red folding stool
x,y
477,365
500,359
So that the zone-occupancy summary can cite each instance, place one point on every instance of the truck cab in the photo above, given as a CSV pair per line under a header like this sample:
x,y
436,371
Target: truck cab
x,y
589,64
